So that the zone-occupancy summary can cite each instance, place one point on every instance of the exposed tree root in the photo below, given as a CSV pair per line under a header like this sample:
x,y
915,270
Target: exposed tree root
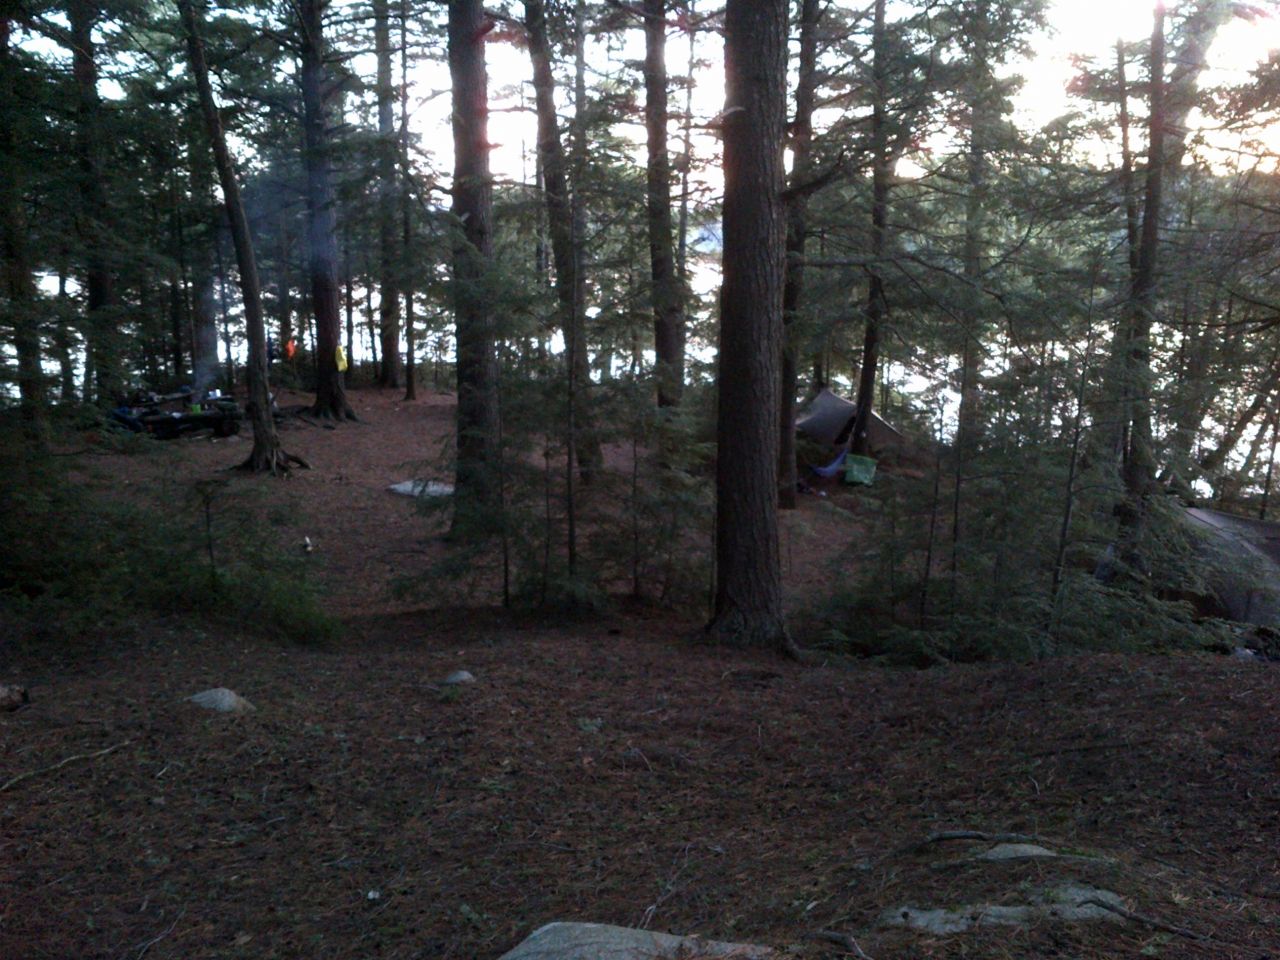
x,y
13,781
277,463
1151,922
327,412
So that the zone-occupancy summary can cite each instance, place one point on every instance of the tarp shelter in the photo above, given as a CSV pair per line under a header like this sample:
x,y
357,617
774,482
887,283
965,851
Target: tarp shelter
x,y
1249,587
829,419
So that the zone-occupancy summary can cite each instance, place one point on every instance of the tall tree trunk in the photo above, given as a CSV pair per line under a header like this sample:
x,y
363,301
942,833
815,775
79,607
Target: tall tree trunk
x,y
406,210
686,154
266,453
103,339
881,171
17,284
349,301
62,336
391,371
1139,460
748,598
978,103
284,283
322,245
797,237
583,438
667,296
476,483
177,282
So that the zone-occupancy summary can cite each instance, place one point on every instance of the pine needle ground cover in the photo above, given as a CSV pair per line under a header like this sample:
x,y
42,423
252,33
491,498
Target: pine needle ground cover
x,y
603,771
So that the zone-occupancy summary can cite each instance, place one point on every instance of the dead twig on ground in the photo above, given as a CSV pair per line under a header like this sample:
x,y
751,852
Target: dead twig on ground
x,y
841,940
142,948
14,781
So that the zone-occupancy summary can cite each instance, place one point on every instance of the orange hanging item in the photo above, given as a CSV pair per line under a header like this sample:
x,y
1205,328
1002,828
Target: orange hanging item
x,y
290,349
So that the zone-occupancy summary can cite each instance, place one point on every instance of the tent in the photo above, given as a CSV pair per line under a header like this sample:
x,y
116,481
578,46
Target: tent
x,y
829,419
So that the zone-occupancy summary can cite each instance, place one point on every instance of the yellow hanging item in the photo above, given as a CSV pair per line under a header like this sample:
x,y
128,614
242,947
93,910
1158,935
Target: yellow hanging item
x,y
340,356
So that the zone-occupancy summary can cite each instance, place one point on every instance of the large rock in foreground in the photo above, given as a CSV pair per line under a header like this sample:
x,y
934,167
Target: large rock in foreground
x,y
598,941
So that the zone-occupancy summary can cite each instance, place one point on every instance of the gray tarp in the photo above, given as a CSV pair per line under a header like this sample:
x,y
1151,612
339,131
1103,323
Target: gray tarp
x,y
829,419
1248,583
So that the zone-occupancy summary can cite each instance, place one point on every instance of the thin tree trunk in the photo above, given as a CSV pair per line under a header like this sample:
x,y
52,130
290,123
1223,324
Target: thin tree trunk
x,y
583,440
322,247
1139,461
406,210
797,237
103,338
284,285
62,343
266,453
686,155
748,599
391,370
668,312
978,96
17,283
881,171
476,485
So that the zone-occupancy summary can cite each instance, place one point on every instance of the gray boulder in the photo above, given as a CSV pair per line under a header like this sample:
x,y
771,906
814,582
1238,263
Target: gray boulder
x,y
598,941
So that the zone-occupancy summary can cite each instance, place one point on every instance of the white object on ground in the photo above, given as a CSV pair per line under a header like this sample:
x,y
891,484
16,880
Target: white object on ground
x,y
222,700
422,488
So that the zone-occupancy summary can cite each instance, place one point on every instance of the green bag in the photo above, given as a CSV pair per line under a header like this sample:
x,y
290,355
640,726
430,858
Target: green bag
x,y
859,471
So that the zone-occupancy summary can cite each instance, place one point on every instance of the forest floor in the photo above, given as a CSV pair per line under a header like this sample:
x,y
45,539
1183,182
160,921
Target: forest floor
x,y
606,770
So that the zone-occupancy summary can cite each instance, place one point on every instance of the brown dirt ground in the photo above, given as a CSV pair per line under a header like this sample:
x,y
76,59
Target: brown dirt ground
x,y
605,771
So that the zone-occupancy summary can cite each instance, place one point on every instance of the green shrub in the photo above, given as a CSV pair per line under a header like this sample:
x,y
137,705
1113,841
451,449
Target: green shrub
x,y
78,557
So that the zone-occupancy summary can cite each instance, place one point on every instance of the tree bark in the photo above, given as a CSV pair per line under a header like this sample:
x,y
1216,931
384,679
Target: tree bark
x,y
748,599
391,371
881,171
1139,460
322,245
406,210
797,238
584,442
476,483
103,339
666,293
266,453
17,283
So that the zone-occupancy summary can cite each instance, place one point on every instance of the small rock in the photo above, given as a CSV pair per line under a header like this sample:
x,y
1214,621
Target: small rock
x,y
12,697
457,677
1244,653
598,941
222,700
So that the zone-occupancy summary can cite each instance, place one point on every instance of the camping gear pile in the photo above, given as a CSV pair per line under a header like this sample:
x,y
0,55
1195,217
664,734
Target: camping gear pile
x,y
168,416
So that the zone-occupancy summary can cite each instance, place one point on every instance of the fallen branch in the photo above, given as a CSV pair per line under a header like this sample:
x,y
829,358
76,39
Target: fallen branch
x,y
839,939
58,766
1149,921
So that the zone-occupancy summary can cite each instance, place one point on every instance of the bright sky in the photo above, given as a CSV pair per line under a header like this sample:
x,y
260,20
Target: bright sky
x,y
1078,27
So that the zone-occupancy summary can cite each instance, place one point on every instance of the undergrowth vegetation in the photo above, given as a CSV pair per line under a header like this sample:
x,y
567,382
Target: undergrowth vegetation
x,y
1020,560
77,559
